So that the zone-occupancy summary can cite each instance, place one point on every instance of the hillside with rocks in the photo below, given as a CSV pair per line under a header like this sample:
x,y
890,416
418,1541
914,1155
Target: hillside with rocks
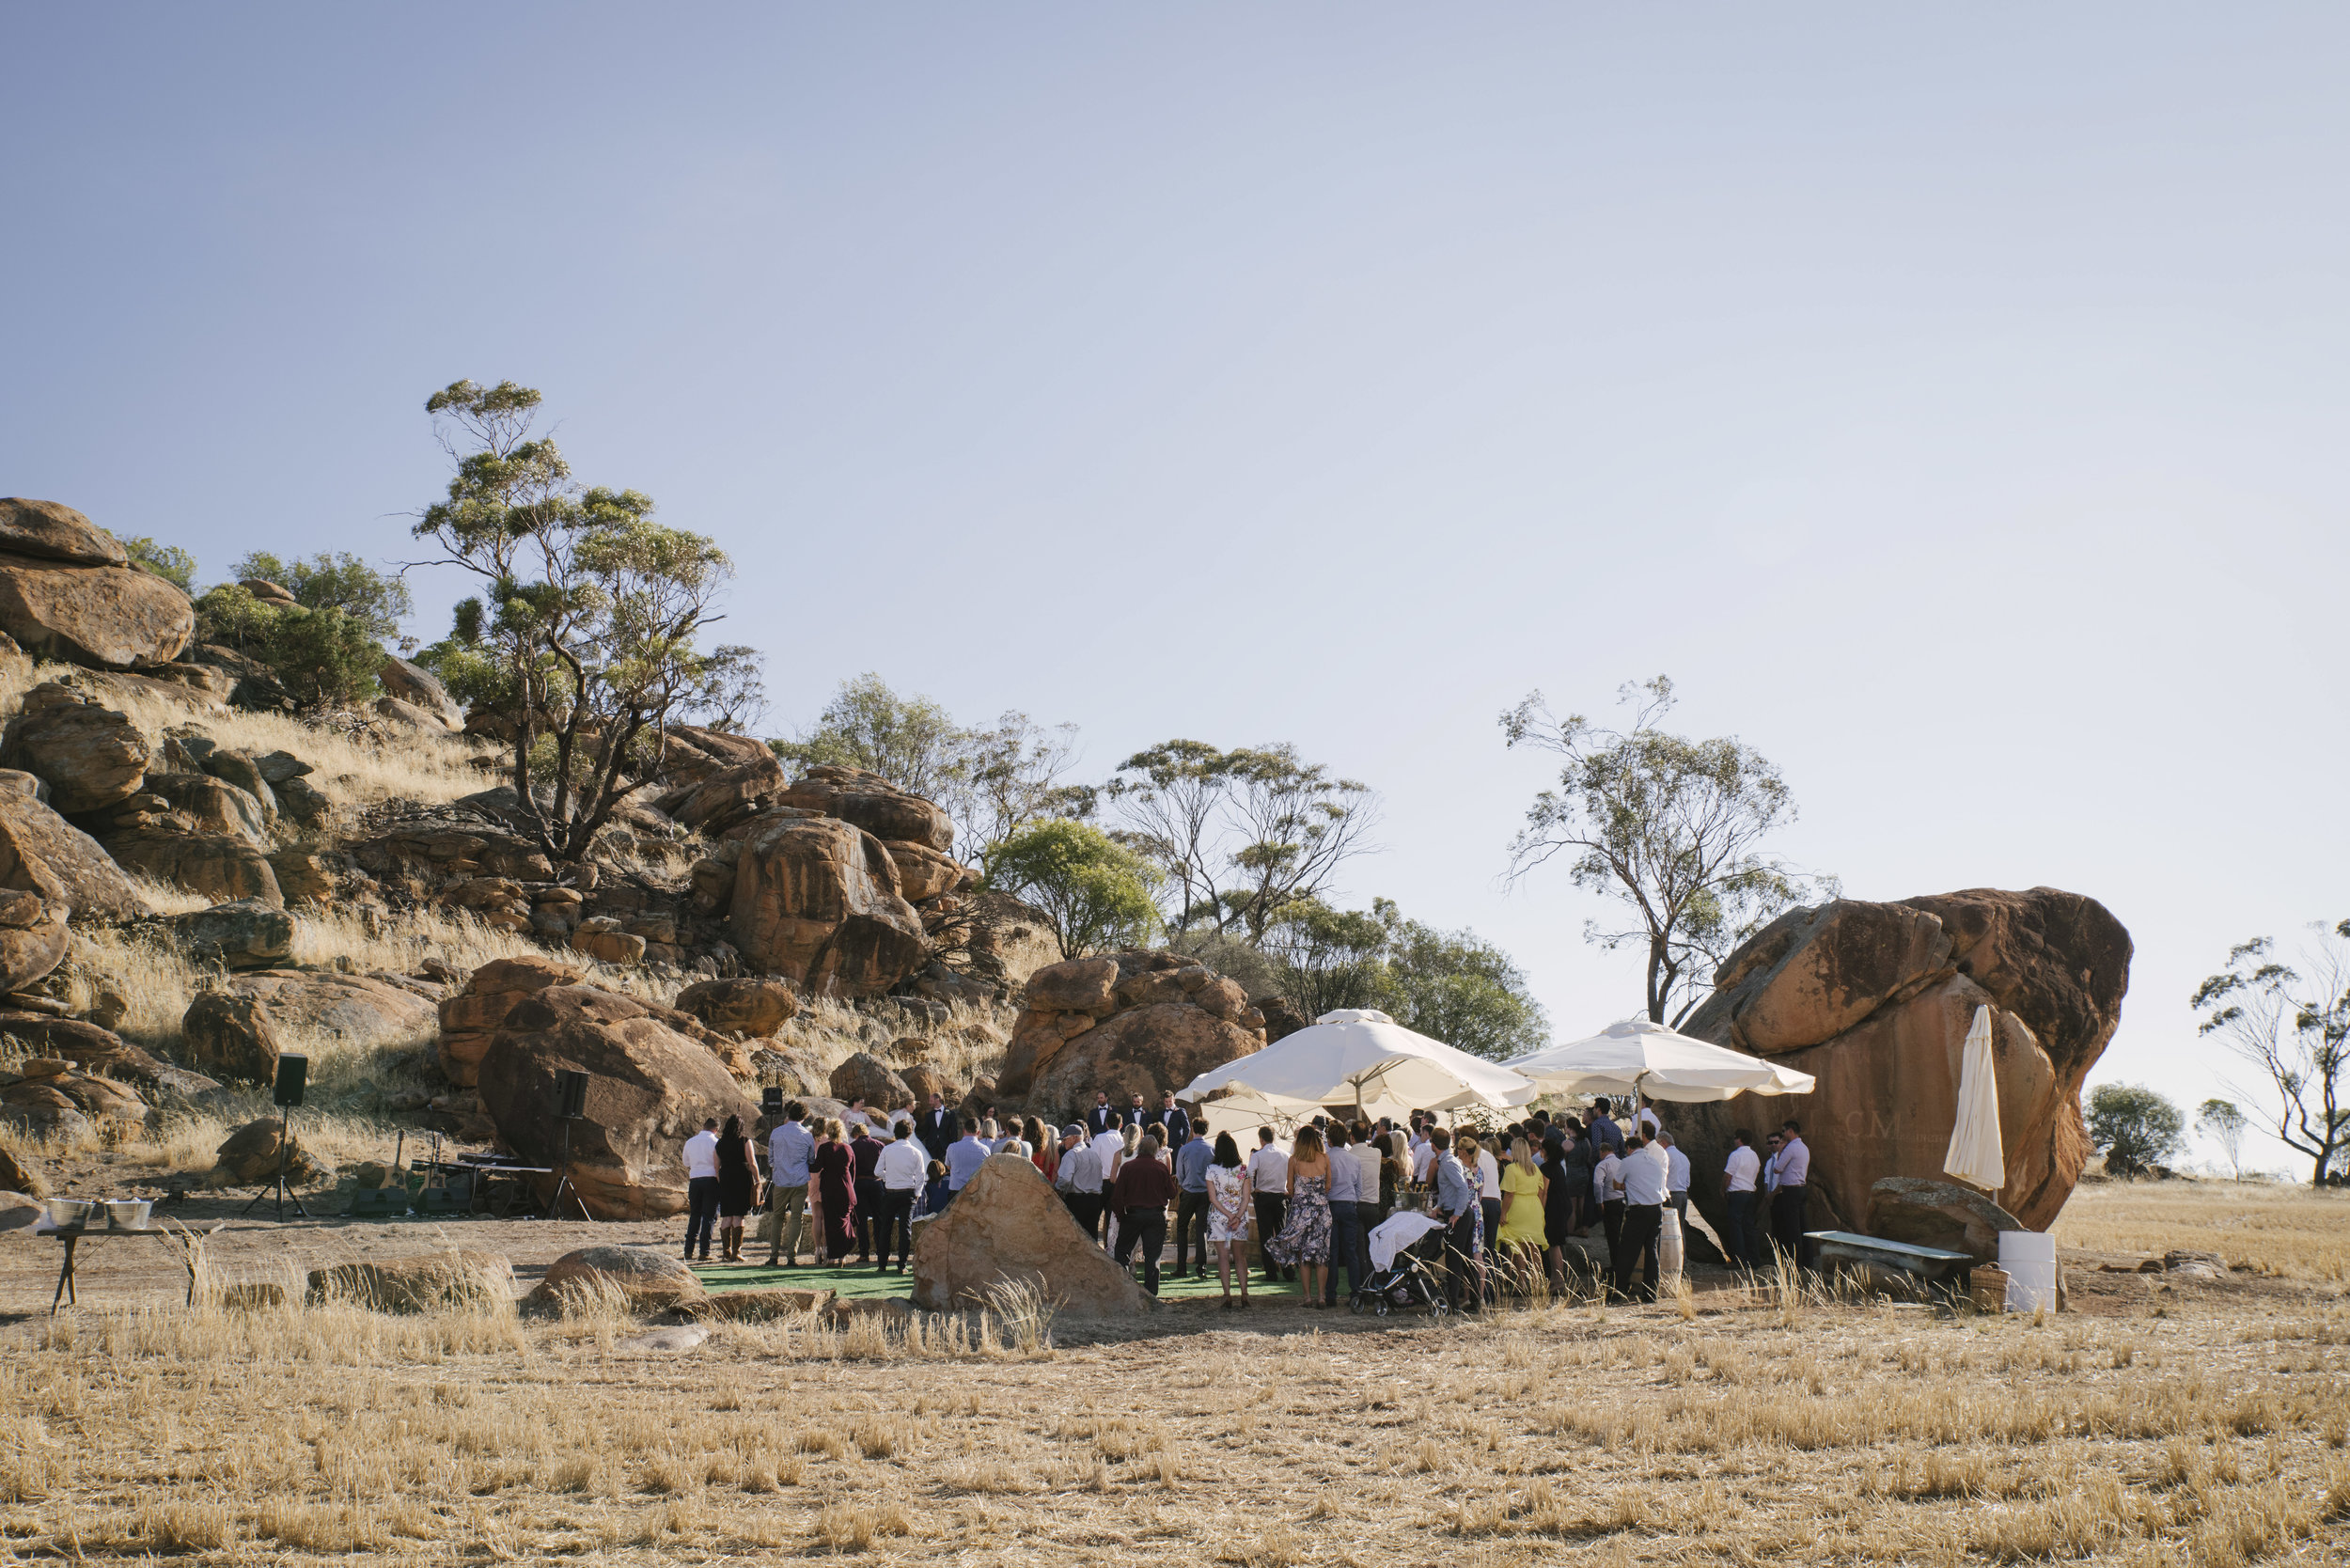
x,y
196,878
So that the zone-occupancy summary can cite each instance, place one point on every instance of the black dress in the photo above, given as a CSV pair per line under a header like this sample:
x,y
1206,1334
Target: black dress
x,y
738,1178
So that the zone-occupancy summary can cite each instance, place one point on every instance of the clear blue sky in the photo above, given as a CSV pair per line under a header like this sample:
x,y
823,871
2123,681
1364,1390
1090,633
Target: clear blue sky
x,y
1952,402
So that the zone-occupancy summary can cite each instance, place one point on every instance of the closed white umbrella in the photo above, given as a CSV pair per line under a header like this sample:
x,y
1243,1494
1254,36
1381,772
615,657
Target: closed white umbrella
x,y
1361,1057
1977,1156
1637,1056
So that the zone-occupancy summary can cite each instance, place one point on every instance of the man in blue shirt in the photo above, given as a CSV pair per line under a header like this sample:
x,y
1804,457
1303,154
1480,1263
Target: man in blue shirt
x,y
963,1159
1604,1129
1458,1206
788,1149
1191,1195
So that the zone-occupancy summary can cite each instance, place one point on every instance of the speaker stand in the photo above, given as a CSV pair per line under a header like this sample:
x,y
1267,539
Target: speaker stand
x,y
563,1187
279,1190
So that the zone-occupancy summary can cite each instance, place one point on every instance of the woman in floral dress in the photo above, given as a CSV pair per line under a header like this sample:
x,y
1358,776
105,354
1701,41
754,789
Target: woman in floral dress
x,y
1228,1216
1304,1242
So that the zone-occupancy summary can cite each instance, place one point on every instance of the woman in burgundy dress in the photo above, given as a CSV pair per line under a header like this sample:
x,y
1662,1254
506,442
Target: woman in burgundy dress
x,y
833,1169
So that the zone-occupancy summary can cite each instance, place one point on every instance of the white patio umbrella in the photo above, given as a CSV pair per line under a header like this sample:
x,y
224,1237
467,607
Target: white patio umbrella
x,y
1637,1056
1976,1154
1361,1057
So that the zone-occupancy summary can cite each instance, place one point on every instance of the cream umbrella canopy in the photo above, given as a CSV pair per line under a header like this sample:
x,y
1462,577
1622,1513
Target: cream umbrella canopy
x,y
1361,1057
1637,1056
1977,1156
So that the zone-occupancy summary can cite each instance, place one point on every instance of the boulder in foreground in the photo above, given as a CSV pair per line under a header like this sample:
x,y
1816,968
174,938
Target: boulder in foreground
x,y
1938,1214
649,1278
419,1284
1009,1228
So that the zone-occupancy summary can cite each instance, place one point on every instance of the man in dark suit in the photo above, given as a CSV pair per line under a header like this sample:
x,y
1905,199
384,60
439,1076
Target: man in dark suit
x,y
1176,1121
1097,1120
1140,1114
937,1127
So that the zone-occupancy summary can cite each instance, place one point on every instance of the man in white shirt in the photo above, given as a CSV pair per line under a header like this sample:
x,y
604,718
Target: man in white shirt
x,y
1423,1156
701,1188
1268,1185
788,1149
1079,1179
1788,1197
1676,1182
1646,1120
1109,1144
903,1164
1741,1173
1610,1198
1642,1180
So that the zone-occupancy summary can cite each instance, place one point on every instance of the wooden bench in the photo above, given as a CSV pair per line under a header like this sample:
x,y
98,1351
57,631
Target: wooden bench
x,y
1944,1271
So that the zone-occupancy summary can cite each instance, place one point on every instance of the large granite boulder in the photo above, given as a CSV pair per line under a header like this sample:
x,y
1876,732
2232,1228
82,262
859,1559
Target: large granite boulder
x,y
51,1099
862,1077
718,800
93,1048
471,1019
233,1036
648,1088
110,617
693,753
1139,1020
51,530
246,934
205,807
816,901
34,908
649,1279
1007,1228
359,1010
434,847
872,802
218,865
90,756
249,1157
94,885
924,873
17,1176
425,1282
418,688
1874,1000
748,1006
1938,1214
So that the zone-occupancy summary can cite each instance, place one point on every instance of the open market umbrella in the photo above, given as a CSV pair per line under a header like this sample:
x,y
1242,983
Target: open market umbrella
x,y
1976,1156
1361,1057
1637,1056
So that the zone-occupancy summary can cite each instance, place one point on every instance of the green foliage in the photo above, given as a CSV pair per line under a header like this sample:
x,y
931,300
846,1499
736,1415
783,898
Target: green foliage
x,y
1094,892
1240,836
2132,1126
325,658
2222,1122
1453,986
167,561
993,781
2292,1022
1669,826
337,580
588,634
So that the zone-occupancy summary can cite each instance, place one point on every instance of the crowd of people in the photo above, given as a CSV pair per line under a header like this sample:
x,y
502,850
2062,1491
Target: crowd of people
x,y
1505,1203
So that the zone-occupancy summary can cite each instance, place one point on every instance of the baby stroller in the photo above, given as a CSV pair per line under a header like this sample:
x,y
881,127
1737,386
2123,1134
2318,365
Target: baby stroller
x,y
1404,1280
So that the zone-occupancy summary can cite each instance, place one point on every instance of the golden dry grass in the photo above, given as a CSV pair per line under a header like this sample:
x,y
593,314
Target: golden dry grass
x,y
2287,1232
1863,1433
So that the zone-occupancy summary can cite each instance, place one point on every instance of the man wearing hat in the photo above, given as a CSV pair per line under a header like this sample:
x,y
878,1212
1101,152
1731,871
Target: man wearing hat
x,y
1079,1179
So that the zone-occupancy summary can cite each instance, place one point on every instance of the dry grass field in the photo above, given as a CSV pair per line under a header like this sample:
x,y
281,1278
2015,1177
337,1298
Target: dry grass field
x,y
2167,1422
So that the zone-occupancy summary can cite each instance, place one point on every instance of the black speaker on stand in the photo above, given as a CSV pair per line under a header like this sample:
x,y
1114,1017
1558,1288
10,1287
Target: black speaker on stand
x,y
571,1096
293,1072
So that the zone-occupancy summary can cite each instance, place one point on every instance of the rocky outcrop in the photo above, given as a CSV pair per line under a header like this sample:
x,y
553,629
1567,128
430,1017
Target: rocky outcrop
x,y
94,887
433,848
216,866
872,802
247,933
471,1019
416,685
816,901
93,1048
90,756
34,908
231,1036
1874,1000
83,611
49,530
358,1010
751,1008
693,752
861,1076
648,1088
248,1157
1124,1023
1007,1228
1282,1017
718,800
49,1098
17,1176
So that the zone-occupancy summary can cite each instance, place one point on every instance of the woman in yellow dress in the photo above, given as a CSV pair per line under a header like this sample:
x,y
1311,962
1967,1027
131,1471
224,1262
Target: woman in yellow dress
x,y
1523,1187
